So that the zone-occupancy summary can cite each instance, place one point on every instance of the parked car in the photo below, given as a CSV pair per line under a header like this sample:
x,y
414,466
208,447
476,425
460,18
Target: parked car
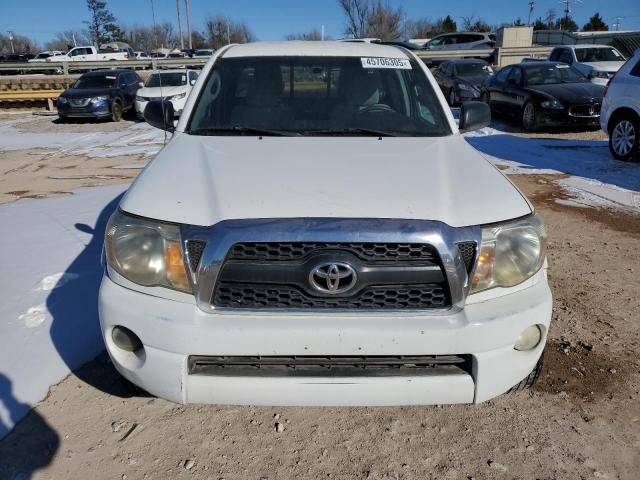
x,y
204,52
597,62
461,41
16,58
42,56
100,94
159,55
141,56
171,85
90,54
544,94
620,117
462,80
408,45
302,241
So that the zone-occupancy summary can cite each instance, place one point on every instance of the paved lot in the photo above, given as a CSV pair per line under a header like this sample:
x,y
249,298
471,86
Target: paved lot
x,y
581,421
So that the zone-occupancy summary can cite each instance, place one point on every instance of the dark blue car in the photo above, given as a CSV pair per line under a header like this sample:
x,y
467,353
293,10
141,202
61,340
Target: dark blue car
x,y
100,94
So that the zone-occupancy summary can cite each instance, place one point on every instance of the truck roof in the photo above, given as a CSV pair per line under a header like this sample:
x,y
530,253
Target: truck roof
x,y
299,48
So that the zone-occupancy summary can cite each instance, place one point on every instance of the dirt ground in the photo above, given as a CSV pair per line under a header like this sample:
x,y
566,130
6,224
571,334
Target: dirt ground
x,y
582,420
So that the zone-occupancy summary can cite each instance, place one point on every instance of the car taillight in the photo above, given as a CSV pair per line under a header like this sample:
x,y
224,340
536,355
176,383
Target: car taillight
x,y
606,87
126,56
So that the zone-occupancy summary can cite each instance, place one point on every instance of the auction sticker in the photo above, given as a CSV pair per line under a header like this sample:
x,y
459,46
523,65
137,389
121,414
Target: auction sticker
x,y
385,62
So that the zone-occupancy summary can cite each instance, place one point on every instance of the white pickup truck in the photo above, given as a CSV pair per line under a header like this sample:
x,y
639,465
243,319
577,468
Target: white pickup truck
x,y
318,232
598,63
89,54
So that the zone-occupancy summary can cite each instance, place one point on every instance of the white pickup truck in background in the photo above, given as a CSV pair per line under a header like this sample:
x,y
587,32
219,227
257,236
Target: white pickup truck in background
x,y
599,63
90,54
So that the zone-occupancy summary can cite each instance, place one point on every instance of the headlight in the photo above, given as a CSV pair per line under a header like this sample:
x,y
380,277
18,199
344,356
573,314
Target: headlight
x,y
99,99
62,100
552,104
599,74
141,99
146,252
510,253
464,86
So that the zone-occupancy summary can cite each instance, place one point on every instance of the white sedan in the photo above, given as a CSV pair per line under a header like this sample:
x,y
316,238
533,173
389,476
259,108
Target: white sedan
x,y
172,85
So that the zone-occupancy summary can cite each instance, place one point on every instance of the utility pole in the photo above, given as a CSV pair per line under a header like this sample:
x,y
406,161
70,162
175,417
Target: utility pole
x,y
616,25
531,5
186,2
11,40
567,11
180,25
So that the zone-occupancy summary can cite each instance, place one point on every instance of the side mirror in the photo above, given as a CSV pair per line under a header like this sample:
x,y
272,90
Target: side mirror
x,y
160,114
141,84
474,116
192,82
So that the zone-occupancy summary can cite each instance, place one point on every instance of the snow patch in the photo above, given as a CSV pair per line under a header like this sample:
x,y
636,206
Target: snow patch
x,y
56,280
35,316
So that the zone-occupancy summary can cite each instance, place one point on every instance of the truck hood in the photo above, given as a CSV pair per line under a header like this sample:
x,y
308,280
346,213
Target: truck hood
x,y
153,92
200,180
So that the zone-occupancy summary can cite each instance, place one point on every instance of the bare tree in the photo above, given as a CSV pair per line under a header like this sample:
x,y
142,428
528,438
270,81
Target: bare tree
x,y
221,30
21,44
385,22
357,13
313,35
102,24
421,28
550,17
68,39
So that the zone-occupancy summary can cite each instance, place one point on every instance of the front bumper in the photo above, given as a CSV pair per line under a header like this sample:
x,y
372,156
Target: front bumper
x,y
561,118
178,106
92,110
171,331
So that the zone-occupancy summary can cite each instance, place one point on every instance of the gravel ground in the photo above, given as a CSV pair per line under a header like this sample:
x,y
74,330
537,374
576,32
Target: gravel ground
x,y
581,421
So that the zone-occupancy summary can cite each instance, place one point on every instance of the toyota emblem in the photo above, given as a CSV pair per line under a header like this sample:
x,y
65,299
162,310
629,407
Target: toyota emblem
x,y
333,278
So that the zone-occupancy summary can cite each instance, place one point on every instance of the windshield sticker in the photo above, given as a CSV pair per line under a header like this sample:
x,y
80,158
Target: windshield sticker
x,y
385,62
184,78
562,66
616,53
110,78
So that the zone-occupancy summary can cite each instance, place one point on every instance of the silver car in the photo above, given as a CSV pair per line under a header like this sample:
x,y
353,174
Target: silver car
x,y
462,41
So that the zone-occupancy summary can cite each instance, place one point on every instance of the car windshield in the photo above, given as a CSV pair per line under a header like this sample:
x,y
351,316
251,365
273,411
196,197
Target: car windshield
x,y
473,69
44,55
174,79
548,74
95,81
318,96
598,55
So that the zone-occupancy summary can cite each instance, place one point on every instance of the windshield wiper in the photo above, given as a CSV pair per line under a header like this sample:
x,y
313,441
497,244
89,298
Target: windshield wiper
x,y
353,131
241,130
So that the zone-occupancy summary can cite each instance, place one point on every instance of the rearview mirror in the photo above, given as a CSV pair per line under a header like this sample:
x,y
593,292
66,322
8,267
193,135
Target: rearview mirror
x,y
160,114
474,116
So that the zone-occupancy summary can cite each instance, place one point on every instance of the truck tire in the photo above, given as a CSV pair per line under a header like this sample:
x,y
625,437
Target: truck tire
x,y
530,379
624,136
116,111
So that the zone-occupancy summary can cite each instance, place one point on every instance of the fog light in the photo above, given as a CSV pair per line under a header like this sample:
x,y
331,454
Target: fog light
x,y
125,339
529,338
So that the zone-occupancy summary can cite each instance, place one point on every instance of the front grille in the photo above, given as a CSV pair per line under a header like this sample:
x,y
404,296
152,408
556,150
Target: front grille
x,y
592,110
233,295
387,252
280,275
328,365
79,102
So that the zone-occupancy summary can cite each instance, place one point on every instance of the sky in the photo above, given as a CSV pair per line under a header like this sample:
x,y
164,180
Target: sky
x,y
273,19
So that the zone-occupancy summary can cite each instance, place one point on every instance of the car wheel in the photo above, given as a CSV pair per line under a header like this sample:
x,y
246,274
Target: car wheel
x,y
116,111
624,138
529,117
452,97
529,380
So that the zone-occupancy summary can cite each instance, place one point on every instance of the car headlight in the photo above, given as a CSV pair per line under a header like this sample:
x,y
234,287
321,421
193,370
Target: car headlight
x,y
62,100
599,74
141,99
464,86
177,97
510,253
146,252
552,104
99,99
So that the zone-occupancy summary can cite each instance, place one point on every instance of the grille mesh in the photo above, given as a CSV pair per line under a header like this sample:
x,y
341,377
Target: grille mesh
x,y
468,252
585,110
379,252
284,296
195,248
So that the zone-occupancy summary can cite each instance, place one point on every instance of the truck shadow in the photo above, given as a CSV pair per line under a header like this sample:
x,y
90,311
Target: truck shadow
x,y
31,446
73,305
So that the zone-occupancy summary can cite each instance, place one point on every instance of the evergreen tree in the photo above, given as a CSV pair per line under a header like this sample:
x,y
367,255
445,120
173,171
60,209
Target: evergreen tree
x,y
595,24
102,24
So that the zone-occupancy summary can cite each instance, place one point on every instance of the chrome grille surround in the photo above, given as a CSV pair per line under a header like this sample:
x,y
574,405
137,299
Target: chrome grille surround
x,y
222,236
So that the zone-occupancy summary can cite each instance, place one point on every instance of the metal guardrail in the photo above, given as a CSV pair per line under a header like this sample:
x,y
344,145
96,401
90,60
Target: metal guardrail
x,y
449,54
29,94
66,67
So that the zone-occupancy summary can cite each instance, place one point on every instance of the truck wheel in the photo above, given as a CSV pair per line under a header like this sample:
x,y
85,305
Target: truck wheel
x,y
530,379
529,117
116,111
624,137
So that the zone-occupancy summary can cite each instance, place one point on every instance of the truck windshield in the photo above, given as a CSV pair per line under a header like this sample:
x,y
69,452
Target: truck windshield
x,y
166,80
549,74
95,81
600,54
318,96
